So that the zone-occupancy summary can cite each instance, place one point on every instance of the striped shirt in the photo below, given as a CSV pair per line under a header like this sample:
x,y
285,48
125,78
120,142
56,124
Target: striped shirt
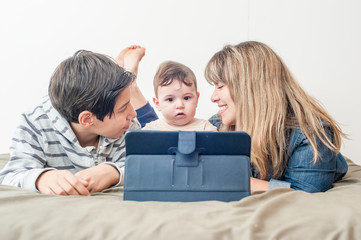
x,y
44,140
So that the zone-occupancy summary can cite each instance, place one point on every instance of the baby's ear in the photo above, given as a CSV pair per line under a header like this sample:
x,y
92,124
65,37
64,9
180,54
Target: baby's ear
x,y
156,103
197,97
86,119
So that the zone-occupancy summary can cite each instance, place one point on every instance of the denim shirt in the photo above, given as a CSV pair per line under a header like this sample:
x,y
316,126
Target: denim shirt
x,y
301,173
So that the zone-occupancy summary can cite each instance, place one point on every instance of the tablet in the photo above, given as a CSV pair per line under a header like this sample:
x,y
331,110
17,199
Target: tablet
x,y
186,166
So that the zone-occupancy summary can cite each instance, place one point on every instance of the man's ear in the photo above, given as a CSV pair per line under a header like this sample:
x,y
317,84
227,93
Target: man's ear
x,y
156,103
86,119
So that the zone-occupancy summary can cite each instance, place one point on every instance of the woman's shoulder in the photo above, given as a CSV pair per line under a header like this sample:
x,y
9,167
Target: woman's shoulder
x,y
297,138
297,135
215,120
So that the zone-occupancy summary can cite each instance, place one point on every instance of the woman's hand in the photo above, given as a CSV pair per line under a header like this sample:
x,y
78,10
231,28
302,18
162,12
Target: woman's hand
x,y
259,185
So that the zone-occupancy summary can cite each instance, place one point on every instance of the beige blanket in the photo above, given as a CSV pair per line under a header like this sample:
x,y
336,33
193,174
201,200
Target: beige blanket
x,y
276,214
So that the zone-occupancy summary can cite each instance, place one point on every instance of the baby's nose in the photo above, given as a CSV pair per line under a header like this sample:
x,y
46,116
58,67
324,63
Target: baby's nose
x,y
180,104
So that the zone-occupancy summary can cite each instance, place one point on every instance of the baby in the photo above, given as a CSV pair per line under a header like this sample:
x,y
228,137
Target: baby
x,y
176,97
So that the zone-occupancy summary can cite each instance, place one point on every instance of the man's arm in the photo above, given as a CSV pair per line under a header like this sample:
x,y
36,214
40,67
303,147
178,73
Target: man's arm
x,y
27,159
26,167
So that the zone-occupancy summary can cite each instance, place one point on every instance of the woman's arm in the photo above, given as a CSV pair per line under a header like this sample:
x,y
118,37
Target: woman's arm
x,y
304,174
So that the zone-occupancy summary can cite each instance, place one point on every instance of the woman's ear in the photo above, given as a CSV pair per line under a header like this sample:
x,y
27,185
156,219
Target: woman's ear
x,y
156,103
86,119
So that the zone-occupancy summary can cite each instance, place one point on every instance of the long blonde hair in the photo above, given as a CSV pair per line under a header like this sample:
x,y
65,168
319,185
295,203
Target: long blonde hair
x,y
269,103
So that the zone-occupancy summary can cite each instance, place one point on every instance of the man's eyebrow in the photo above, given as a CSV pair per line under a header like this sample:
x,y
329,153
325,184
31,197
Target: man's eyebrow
x,y
124,105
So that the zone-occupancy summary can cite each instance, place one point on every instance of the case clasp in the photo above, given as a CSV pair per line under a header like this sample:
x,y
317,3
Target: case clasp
x,y
187,155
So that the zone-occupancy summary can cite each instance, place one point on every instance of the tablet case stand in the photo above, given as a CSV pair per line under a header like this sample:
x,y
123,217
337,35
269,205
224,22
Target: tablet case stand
x,y
186,166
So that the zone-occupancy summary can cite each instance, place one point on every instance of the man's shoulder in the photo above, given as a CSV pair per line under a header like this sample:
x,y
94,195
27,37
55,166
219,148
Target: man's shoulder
x,y
43,118
34,110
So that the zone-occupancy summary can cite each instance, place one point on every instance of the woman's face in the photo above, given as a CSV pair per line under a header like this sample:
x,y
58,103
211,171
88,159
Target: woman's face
x,y
222,96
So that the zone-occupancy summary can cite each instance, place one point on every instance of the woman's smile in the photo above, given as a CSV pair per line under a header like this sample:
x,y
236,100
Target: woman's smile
x,y
222,108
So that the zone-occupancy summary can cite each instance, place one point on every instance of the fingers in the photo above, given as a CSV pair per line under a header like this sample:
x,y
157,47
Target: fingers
x,y
99,177
60,182
84,182
73,185
134,47
85,176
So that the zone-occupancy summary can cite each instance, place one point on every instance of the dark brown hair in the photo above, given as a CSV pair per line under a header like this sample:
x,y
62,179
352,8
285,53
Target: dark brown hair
x,y
170,71
87,81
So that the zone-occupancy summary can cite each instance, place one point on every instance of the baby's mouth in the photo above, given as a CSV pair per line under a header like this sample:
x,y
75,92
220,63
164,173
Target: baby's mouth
x,y
180,115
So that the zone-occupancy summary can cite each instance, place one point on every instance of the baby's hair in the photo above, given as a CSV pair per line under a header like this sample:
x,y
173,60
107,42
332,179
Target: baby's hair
x,y
170,71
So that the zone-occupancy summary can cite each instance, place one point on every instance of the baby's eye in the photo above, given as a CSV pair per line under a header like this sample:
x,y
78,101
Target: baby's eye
x,y
169,99
187,97
220,86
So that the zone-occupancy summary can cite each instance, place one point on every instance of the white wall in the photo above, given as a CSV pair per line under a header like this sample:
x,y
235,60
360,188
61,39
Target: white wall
x,y
318,39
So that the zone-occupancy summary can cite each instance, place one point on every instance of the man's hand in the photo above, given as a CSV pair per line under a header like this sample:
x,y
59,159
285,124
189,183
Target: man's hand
x,y
61,182
99,177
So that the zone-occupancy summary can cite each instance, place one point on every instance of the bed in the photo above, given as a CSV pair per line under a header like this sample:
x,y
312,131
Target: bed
x,y
275,214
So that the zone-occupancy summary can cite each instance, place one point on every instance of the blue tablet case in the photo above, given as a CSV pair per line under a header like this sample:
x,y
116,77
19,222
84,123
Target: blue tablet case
x,y
186,166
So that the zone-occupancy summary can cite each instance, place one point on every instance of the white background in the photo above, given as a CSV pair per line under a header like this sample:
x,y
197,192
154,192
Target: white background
x,y
320,41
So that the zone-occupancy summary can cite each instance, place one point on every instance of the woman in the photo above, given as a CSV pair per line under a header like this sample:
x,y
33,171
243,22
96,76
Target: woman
x,y
295,142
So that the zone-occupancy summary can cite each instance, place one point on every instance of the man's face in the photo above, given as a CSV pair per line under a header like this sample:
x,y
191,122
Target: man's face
x,y
119,122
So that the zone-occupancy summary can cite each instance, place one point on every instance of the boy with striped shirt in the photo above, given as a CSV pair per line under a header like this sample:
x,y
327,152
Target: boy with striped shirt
x,y
73,143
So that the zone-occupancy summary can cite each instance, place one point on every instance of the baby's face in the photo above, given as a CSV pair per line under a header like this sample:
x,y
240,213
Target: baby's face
x,y
177,102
